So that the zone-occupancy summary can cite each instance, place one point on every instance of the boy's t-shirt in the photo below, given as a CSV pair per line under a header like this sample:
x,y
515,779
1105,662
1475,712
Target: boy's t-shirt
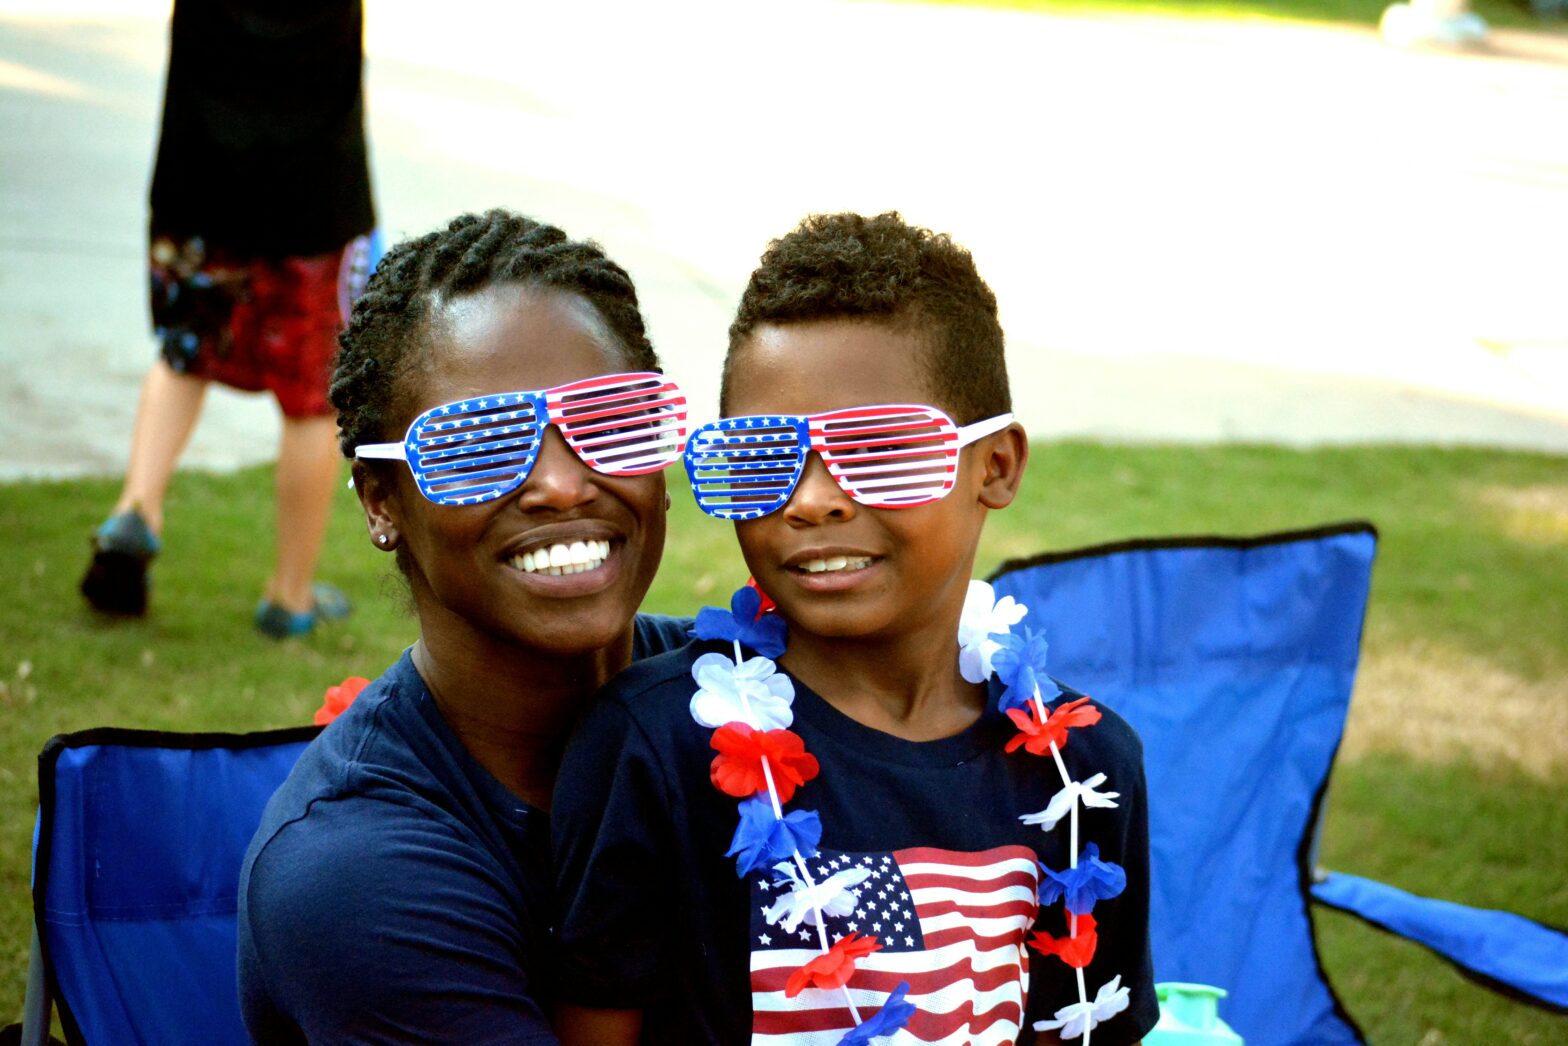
x,y
654,916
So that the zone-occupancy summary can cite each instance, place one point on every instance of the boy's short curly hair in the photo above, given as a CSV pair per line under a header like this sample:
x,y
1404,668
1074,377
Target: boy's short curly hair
x,y
882,269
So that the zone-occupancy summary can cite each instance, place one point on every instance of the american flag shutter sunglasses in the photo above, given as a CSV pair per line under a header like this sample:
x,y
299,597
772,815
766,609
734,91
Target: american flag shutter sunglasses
x,y
886,456
479,449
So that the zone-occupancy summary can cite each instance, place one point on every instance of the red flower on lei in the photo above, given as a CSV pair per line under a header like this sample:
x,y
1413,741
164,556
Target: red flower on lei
x,y
834,967
1074,951
338,698
1038,737
737,769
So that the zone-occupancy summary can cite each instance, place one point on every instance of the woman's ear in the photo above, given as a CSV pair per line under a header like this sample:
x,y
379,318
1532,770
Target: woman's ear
x,y
378,497
1004,458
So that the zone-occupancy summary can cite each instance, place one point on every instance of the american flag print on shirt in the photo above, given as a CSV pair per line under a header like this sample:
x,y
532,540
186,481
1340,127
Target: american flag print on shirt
x,y
951,924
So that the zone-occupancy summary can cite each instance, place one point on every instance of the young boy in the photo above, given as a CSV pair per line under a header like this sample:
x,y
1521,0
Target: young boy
x,y
895,851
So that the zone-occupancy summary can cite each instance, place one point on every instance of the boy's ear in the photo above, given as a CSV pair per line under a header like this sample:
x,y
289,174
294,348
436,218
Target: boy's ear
x,y
378,497
1005,456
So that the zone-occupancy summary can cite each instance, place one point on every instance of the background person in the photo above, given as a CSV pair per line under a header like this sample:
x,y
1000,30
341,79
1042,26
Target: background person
x,y
258,242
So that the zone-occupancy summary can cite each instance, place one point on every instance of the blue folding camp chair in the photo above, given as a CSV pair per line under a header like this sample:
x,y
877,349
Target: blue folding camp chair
x,y
136,860
1234,661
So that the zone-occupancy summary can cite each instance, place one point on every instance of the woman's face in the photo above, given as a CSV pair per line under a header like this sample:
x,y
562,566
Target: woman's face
x,y
473,567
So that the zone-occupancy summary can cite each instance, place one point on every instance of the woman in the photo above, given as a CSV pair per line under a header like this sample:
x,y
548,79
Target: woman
x,y
397,890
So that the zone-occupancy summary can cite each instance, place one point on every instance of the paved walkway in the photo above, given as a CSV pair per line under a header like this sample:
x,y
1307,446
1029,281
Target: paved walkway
x,y
1197,230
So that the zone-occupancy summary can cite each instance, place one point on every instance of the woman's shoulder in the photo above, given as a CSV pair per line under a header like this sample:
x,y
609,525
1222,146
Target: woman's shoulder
x,y
377,765
654,634
646,706
654,684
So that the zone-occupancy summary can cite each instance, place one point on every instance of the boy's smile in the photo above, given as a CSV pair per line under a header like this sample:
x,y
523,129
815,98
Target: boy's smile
x,y
839,570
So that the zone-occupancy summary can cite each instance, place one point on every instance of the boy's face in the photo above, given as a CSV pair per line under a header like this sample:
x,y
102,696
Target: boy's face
x,y
889,572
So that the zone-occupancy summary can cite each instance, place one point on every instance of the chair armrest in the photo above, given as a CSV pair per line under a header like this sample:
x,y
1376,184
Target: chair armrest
x,y
1508,953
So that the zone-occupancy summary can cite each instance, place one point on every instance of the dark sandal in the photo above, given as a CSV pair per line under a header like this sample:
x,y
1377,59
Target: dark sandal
x,y
116,579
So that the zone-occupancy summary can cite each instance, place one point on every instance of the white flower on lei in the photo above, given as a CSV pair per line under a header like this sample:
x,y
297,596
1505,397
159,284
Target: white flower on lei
x,y
1080,1018
832,896
750,692
984,616
1061,803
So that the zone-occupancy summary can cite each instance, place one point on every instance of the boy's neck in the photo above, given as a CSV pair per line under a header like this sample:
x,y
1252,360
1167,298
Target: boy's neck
x,y
899,686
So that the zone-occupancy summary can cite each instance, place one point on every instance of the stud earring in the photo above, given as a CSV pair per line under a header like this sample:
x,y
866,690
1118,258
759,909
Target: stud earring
x,y
382,538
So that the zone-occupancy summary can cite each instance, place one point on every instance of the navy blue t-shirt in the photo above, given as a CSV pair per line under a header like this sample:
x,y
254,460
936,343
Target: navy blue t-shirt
x,y
654,916
396,891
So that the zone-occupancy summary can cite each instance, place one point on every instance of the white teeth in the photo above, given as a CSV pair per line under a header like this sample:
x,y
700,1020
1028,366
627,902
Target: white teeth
x,y
835,563
559,559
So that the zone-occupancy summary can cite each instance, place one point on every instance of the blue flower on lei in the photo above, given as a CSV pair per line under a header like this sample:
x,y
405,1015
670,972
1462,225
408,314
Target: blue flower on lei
x,y
1020,663
1093,880
893,1015
763,840
741,624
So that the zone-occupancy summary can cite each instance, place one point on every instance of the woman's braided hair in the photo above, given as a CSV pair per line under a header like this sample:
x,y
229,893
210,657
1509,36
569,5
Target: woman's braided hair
x,y
388,332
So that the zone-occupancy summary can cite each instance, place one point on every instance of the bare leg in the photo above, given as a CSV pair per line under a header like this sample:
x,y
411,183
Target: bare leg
x,y
167,412
307,479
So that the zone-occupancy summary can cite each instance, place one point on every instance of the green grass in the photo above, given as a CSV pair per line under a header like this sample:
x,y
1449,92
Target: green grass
x,y
1500,13
1474,556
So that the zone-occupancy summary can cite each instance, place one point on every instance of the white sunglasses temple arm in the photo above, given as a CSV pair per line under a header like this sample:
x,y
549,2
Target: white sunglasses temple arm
x,y
383,451
379,452
980,429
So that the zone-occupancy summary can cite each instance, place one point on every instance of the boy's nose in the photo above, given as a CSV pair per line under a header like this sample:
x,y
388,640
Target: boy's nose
x,y
817,498
559,479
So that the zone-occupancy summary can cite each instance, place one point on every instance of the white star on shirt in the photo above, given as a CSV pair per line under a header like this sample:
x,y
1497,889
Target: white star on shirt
x,y
765,939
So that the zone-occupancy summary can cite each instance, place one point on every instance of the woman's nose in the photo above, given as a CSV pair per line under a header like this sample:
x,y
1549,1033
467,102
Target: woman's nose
x,y
817,498
559,479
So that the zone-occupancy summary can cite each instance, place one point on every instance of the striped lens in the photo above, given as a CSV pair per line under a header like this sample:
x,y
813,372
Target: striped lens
x,y
621,424
888,456
476,450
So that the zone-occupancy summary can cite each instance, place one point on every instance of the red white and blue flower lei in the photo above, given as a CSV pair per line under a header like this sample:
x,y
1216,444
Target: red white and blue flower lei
x,y
746,702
